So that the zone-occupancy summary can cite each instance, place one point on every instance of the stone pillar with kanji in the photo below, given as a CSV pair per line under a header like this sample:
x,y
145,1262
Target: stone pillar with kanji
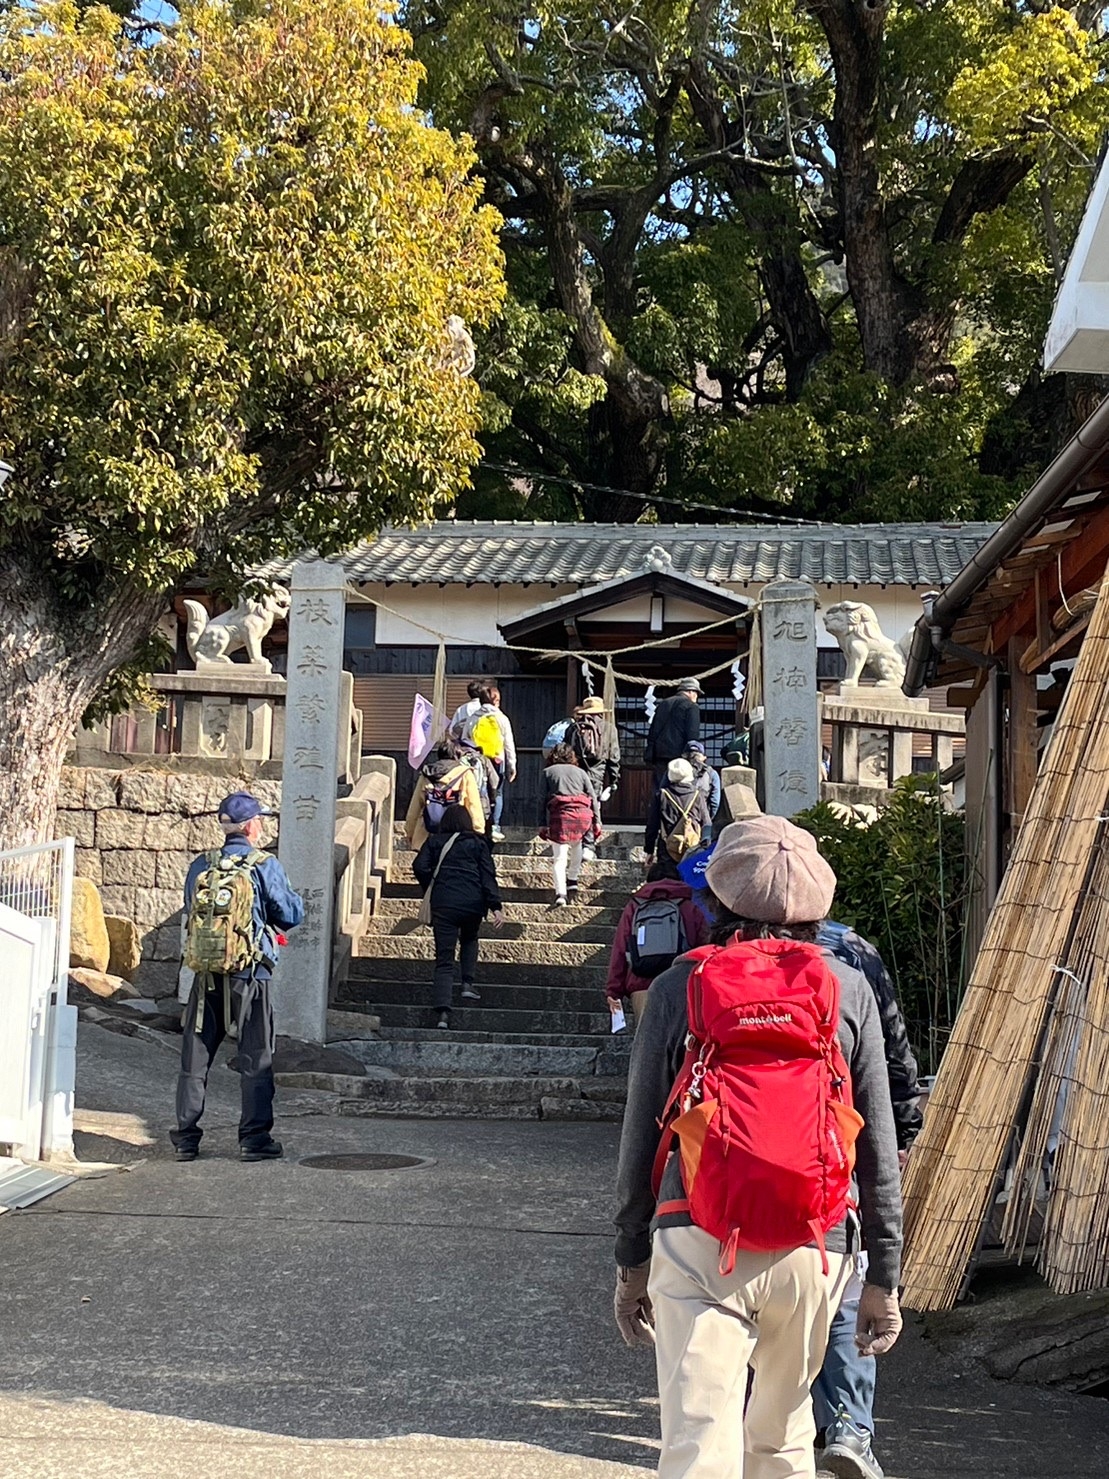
x,y
308,793
791,700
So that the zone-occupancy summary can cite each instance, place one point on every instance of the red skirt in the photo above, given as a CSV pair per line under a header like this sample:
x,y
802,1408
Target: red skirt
x,y
569,818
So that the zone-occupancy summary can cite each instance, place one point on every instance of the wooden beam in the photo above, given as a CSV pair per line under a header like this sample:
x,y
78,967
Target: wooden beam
x,y
1022,753
1036,656
1081,563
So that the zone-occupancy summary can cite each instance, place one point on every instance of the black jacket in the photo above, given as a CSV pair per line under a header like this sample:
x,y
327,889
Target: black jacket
x,y
860,954
677,721
467,882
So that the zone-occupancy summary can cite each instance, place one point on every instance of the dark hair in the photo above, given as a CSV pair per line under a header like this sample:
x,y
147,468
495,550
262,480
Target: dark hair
x,y
562,755
455,819
474,687
489,693
663,868
446,750
724,925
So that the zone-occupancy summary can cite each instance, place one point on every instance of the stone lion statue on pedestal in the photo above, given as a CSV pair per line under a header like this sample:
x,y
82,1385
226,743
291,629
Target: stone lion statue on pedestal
x,y
867,648
214,639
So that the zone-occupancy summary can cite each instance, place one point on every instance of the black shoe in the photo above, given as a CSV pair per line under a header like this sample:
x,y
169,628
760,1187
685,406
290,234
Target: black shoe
x,y
443,1019
470,992
270,1150
185,1153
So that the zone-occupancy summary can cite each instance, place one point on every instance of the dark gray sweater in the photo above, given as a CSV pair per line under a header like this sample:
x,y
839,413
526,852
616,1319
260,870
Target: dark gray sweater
x,y
657,1056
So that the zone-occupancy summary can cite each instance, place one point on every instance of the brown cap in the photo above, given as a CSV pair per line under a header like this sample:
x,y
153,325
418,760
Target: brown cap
x,y
767,869
591,705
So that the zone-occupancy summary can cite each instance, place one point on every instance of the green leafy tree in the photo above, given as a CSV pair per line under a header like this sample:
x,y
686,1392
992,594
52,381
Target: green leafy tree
x,y
787,255
228,253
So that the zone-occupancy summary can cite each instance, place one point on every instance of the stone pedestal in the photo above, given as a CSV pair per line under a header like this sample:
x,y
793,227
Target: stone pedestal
x,y
313,720
791,722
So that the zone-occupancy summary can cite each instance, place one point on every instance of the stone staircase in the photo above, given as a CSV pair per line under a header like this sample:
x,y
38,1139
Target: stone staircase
x,y
539,1044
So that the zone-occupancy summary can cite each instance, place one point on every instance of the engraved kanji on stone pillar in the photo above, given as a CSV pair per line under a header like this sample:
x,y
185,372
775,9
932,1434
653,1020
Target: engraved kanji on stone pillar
x,y
309,775
791,700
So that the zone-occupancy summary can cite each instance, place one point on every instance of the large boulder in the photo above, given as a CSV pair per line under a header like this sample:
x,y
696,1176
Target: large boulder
x,y
86,987
124,946
89,946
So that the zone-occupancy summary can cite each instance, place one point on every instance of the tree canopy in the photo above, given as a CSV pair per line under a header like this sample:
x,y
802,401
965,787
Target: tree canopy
x,y
795,258
229,248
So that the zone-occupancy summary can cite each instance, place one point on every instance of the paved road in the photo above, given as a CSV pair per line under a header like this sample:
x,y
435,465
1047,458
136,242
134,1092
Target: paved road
x,y
276,1319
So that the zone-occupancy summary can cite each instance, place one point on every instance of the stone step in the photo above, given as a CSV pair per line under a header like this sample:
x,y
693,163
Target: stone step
x,y
533,872
620,1042
406,966
535,847
542,913
420,946
480,1098
490,1089
484,1019
444,1056
552,1107
552,928
539,895
564,997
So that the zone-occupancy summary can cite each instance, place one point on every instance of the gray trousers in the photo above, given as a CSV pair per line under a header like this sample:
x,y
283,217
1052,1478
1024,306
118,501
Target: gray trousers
x,y
255,1043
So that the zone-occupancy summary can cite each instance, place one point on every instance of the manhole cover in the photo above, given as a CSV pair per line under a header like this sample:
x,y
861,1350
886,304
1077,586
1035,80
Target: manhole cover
x,y
363,1161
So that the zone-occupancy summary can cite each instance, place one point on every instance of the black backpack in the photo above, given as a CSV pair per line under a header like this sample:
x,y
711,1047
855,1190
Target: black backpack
x,y
658,937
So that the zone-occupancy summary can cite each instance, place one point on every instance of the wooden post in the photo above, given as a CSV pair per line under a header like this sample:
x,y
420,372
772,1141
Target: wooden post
x,y
1022,750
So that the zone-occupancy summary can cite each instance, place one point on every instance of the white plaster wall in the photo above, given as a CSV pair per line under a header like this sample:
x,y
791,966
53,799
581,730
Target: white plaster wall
x,y
468,615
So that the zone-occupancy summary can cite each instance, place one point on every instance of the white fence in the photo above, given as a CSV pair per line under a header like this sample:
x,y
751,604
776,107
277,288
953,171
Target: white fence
x,y
38,1029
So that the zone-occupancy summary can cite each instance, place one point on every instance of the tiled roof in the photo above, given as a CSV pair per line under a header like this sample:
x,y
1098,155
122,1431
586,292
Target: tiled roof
x,y
572,554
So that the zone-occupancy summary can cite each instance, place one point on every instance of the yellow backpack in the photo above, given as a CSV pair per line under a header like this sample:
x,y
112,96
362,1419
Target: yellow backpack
x,y
487,736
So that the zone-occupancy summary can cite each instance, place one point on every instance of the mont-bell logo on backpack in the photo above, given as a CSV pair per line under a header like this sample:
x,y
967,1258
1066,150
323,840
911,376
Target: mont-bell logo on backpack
x,y
764,1119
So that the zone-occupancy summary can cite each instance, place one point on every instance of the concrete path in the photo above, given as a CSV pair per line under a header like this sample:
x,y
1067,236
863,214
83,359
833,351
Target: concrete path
x,y
450,1320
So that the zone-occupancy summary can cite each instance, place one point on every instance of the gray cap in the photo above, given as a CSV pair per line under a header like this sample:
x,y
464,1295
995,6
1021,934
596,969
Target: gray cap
x,y
690,685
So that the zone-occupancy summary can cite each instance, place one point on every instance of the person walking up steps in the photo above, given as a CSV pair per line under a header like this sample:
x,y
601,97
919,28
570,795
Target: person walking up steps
x,y
843,1393
596,743
660,922
570,812
489,730
677,815
707,780
762,1056
447,779
455,869
676,722
237,902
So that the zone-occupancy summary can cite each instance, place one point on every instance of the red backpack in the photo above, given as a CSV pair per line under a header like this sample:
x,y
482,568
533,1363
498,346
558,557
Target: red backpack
x,y
762,1106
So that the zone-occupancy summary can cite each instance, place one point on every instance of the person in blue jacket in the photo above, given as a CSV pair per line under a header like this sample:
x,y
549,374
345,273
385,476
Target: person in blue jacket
x,y
239,1003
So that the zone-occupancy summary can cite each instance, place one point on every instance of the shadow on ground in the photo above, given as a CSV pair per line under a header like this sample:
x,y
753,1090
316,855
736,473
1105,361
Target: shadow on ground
x,y
240,1311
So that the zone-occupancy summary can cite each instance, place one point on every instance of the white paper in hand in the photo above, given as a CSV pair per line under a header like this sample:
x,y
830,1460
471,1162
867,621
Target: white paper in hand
x,y
619,1021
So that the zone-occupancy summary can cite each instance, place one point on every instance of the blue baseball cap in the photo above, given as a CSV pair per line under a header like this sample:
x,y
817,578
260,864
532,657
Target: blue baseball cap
x,y
695,747
240,807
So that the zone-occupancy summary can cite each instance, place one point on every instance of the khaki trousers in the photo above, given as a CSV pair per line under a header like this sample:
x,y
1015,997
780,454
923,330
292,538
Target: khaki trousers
x,y
770,1316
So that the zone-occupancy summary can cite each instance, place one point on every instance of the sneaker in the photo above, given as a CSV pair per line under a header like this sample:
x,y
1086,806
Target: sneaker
x,y
269,1150
497,835
443,1020
588,855
560,901
847,1452
185,1153
470,992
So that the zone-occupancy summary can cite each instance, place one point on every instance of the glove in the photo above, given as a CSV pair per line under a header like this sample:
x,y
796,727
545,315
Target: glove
x,y
879,1321
635,1318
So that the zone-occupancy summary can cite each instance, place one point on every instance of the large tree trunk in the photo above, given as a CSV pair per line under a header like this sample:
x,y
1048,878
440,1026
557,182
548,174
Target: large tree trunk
x,y
53,660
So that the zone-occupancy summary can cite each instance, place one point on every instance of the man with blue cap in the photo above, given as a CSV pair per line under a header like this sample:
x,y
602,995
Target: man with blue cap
x,y
237,902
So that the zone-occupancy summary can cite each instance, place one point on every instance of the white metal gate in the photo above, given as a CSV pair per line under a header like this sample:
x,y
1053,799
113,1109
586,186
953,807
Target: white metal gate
x,y
38,1029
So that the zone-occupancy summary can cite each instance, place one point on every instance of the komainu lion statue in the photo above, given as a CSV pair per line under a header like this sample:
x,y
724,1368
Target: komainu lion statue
x,y
214,639
866,647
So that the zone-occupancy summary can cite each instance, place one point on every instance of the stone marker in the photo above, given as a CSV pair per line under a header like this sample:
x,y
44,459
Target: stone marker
x,y
88,934
791,727
307,840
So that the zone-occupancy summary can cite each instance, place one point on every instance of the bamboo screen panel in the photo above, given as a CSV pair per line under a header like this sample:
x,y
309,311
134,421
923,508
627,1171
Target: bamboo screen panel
x,y
1037,995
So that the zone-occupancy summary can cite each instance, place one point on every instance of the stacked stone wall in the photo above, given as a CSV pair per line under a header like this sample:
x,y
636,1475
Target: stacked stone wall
x,y
136,832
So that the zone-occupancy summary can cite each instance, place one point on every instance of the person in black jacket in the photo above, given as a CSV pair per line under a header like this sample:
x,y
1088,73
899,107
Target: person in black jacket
x,y
456,864
676,723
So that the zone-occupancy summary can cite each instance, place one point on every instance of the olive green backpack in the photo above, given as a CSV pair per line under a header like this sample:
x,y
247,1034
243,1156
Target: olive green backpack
x,y
220,938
